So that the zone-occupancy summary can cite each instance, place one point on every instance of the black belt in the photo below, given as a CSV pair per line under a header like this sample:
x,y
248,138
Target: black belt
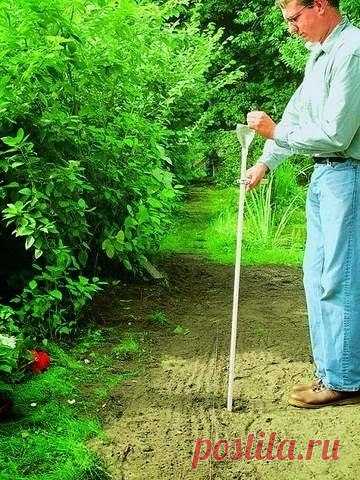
x,y
328,160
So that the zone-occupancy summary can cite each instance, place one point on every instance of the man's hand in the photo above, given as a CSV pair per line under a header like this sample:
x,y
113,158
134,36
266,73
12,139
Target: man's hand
x,y
255,174
261,123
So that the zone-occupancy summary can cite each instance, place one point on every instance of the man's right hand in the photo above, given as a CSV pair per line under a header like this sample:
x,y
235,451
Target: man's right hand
x,y
255,174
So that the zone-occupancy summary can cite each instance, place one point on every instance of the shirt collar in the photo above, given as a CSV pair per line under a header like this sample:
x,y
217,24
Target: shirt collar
x,y
327,45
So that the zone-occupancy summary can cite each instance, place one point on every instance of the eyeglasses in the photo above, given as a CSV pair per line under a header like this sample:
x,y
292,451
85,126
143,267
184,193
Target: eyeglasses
x,y
292,20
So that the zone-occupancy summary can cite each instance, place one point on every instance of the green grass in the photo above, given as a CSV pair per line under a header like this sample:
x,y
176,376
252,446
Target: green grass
x,y
47,439
159,317
55,414
207,226
127,348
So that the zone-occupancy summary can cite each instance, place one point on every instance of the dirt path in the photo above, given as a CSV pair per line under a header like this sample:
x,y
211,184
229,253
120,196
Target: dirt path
x,y
181,396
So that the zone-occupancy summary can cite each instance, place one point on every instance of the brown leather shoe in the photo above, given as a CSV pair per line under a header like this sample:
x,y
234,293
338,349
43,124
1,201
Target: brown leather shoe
x,y
299,387
320,396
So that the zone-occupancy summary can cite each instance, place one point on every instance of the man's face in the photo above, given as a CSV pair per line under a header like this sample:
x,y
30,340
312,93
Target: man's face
x,y
306,22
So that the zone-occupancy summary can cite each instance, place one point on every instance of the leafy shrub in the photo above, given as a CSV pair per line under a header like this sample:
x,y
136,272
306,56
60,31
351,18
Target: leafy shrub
x,y
99,107
10,345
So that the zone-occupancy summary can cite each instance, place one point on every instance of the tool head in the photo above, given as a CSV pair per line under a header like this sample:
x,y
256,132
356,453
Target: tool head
x,y
245,135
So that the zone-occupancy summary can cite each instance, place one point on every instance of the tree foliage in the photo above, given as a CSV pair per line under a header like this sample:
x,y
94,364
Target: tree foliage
x,y
99,105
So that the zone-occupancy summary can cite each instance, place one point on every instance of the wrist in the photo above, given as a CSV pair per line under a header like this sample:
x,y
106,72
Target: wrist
x,y
265,167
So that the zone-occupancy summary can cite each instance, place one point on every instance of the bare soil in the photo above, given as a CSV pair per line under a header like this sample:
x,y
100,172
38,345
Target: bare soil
x,y
180,395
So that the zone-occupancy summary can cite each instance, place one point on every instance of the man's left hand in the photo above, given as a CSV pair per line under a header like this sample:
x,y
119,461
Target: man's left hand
x,y
261,123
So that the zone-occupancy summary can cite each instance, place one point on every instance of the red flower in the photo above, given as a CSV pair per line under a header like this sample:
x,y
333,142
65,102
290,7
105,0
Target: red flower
x,y
41,361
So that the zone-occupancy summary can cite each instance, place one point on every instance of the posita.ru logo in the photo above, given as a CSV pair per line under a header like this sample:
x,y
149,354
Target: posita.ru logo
x,y
264,447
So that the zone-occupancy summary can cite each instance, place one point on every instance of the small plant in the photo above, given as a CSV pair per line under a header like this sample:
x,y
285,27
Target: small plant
x,y
11,343
180,330
8,354
127,349
160,318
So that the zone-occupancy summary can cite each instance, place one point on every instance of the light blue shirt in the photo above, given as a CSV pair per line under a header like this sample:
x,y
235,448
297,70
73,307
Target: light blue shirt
x,y
322,118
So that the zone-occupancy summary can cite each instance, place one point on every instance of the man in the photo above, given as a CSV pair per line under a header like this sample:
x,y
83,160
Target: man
x,y
322,119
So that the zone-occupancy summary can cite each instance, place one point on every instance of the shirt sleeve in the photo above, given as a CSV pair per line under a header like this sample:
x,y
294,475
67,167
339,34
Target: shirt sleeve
x,y
273,153
340,121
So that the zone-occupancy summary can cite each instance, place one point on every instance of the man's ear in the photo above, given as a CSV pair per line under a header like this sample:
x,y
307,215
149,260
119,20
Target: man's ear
x,y
321,6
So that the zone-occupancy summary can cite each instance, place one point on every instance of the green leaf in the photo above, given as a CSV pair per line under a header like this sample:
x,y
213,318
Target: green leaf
x,y
109,248
17,164
5,368
14,141
56,294
83,257
158,174
154,202
38,253
25,191
24,230
20,135
12,185
143,215
127,264
120,236
29,242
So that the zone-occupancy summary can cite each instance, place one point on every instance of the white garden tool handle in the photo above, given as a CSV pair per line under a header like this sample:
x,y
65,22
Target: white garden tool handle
x,y
245,136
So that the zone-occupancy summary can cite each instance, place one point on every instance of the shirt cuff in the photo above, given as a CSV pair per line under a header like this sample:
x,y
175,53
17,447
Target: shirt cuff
x,y
259,162
281,136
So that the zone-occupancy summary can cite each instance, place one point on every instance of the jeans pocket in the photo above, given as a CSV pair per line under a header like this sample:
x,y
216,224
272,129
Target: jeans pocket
x,y
349,164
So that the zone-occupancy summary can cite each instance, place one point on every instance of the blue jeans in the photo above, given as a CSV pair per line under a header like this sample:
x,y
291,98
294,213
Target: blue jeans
x,y
332,273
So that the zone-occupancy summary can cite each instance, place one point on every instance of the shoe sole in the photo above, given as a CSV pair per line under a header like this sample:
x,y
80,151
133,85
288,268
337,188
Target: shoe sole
x,y
345,401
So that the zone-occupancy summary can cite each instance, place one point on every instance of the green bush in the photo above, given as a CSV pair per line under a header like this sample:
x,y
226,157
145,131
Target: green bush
x,y
100,104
